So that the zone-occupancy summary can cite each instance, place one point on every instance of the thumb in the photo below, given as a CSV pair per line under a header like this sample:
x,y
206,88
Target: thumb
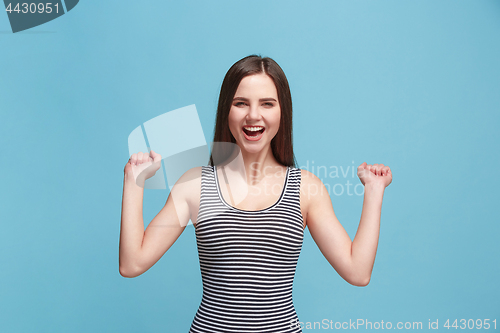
x,y
155,156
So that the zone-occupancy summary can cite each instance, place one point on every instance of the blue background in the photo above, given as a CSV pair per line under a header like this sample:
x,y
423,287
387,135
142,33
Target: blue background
x,y
410,84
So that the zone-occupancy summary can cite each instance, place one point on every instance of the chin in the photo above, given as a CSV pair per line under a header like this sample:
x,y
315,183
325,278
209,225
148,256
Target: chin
x,y
252,148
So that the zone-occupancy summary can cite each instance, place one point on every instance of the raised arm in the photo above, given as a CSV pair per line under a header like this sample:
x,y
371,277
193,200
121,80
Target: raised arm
x,y
140,249
353,260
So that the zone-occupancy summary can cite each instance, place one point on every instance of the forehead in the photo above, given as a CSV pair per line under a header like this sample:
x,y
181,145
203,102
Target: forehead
x,y
258,85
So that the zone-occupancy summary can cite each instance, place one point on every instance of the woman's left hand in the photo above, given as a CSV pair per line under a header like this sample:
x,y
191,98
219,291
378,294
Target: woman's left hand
x,y
374,174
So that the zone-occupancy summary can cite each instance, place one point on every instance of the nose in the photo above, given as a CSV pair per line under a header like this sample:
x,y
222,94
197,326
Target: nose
x,y
253,113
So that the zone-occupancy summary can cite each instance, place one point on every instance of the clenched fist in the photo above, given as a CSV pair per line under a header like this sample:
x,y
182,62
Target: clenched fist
x,y
374,174
142,166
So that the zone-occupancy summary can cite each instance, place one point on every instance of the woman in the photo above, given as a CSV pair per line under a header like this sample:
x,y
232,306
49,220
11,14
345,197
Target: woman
x,y
250,207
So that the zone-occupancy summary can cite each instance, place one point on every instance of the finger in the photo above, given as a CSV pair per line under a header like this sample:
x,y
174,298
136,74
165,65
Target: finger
x,y
145,158
371,167
133,159
361,173
139,157
361,169
384,170
156,157
381,169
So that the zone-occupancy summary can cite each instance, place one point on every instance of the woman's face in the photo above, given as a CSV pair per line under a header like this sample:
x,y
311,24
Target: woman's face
x,y
254,117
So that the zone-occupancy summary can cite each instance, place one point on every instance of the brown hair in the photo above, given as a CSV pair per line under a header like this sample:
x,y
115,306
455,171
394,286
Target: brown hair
x,y
281,144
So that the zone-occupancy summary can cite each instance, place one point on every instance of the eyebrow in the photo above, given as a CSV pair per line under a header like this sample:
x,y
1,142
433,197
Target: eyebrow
x,y
260,100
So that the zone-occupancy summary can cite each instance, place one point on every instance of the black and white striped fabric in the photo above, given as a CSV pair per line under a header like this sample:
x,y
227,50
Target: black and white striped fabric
x,y
248,260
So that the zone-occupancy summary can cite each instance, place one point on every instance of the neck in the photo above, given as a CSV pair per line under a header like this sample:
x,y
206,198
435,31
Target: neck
x,y
259,165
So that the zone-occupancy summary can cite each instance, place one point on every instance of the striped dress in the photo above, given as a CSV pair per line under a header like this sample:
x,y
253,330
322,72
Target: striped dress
x,y
248,260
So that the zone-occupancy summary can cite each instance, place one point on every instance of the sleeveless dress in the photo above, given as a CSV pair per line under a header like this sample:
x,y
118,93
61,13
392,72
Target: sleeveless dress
x,y
248,260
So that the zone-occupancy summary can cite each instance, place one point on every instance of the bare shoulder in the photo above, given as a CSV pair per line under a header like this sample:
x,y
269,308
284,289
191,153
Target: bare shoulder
x,y
310,188
309,181
186,192
191,174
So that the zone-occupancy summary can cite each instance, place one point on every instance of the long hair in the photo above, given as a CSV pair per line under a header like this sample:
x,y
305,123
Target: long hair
x,y
281,144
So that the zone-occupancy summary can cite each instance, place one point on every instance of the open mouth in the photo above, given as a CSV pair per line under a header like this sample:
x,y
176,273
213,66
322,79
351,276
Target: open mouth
x,y
253,131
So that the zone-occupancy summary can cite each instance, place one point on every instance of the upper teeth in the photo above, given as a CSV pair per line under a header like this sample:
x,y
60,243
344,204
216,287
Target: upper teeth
x,y
257,128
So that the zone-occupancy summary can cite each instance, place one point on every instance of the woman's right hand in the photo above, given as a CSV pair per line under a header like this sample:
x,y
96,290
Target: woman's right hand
x,y
142,166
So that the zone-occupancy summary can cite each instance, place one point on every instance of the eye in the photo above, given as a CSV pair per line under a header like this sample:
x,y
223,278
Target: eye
x,y
269,104
239,103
